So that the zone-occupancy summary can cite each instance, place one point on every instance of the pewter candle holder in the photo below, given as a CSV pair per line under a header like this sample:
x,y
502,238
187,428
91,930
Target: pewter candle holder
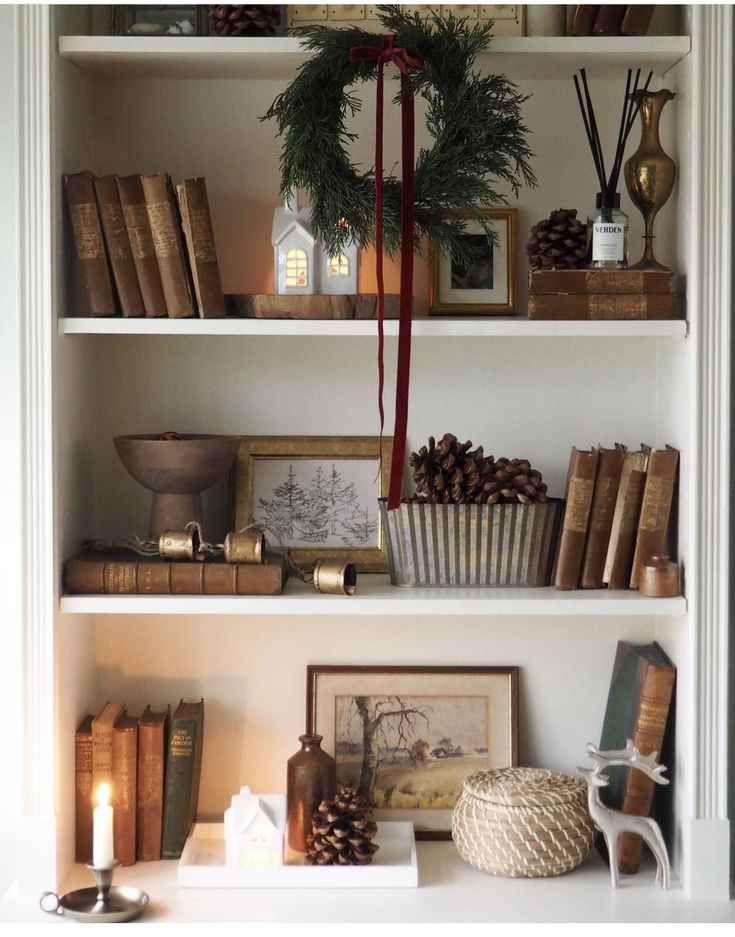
x,y
103,904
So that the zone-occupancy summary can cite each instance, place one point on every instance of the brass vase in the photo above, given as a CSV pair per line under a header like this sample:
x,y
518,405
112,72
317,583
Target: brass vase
x,y
650,173
311,777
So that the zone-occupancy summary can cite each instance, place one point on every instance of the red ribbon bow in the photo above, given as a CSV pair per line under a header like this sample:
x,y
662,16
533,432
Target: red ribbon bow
x,y
402,59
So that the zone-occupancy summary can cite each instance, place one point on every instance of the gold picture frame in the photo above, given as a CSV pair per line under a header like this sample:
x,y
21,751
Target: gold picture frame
x,y
487,287
310,489
429,726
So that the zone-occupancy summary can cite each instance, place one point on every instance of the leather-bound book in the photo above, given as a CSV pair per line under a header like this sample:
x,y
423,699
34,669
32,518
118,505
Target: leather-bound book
x,y
83,805
620,549
118,246
583,20
638,706
102,744
183,769
607,481
606,306
578,497
609,19
564,282
152,739
143,252
196,223
637,19
93,294
124,787
655,508
173,264
123,572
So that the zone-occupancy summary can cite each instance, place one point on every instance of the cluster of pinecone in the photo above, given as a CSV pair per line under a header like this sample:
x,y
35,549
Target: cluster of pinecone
x,y
245,19
342,832
559,242
450,472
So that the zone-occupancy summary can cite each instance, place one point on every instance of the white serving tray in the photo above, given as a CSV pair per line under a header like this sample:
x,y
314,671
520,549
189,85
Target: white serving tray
x,y
202,864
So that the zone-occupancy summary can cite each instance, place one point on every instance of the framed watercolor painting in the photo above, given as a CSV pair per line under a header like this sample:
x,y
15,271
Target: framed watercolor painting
x,y
317,494
486,286
406,737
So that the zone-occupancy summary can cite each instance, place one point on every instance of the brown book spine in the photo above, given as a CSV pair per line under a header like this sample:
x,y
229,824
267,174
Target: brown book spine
x,y
142,249
621,559
607,306
102,744
83,790
196,222
655,508
124,786
637,19
152,730
600,281
93,287
118,246
94,573
584,18
648,736
607,480
166,231
609,20
580,486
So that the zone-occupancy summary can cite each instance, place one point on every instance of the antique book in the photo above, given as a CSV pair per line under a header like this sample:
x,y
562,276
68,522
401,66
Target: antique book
x,y
310,306
583,20
167,240
152,739
142,249
92,286
118,246
609,19
593,306
637,19
600,281
658,494
638,704
124,786
83,805
124,572
196,223
607,481
621,546
102,744
578,498
183,769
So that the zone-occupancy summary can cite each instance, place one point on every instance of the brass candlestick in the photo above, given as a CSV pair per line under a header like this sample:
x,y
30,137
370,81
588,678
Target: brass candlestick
x,y
103,904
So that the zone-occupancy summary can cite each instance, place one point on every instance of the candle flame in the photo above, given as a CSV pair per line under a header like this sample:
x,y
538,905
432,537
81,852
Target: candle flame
x,y
103,795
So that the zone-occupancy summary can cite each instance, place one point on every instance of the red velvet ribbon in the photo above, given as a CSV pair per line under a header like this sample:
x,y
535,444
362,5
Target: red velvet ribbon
x,y
402,59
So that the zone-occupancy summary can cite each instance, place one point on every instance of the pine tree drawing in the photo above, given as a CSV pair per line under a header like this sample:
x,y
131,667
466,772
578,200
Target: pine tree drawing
x,y
285,509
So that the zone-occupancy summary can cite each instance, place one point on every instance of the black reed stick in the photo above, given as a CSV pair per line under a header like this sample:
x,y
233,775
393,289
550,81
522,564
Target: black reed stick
x,y
588,130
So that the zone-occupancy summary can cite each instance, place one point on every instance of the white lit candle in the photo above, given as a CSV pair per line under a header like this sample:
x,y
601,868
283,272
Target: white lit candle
x,y
103,855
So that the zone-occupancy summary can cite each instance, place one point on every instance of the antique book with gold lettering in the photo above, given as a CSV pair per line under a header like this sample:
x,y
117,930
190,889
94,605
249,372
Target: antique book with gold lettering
x,y
118,246
183,768
196,223
173,263
658,494
578,497
638,705
621,546
124,786
143,251
152,739
92,293
607,480
102,744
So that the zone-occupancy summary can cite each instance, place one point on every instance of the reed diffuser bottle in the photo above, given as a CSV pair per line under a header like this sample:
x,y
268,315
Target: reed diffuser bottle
x,y
608,238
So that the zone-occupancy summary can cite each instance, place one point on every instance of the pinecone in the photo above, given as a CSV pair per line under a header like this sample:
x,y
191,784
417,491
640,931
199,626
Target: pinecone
x,y
342,832
558,242
450,472
245,19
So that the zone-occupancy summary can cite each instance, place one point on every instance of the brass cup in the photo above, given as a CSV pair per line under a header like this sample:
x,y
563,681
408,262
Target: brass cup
x,y
179,544
333,578
244,547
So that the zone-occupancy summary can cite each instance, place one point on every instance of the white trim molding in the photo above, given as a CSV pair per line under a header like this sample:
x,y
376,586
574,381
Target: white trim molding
x,y
707,838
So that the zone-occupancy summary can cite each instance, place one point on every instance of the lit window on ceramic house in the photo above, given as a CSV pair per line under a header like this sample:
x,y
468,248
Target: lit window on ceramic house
x,y
297,268
339,266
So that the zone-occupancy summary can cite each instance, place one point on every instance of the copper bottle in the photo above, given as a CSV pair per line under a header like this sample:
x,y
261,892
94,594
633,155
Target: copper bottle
x,y
311,777
650,173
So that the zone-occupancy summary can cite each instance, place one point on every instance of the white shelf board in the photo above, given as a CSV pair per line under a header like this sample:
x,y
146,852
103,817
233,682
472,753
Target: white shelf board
x,y
214,57
513,326
449,891
376,596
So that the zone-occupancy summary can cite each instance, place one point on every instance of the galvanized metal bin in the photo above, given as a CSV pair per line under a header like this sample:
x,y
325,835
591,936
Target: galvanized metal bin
x,y
471,544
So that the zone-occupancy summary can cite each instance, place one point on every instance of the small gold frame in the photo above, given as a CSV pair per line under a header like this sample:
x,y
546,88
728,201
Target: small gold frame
x,y
478,301
372,559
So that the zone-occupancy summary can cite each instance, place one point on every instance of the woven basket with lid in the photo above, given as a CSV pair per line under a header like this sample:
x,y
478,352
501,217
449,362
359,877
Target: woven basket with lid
x,y
523,822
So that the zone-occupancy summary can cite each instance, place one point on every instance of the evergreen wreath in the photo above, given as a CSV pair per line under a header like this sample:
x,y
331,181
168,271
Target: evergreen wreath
x,y
475,120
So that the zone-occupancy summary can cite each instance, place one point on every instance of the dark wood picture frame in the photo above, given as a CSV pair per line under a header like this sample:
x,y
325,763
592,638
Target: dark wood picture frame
x,y
500,684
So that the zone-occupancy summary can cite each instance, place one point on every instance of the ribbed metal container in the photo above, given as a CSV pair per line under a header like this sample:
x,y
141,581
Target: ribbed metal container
x,y
471,544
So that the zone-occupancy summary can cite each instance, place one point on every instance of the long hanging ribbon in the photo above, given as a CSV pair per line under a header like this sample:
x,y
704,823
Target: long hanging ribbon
x,y
402,59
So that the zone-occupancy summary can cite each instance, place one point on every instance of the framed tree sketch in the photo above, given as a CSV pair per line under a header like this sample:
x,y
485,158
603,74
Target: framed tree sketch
x,y
317,495
484,286
406,737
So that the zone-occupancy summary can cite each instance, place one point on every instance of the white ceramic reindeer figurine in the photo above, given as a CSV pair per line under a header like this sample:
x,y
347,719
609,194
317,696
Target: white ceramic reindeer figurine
x,y
612,823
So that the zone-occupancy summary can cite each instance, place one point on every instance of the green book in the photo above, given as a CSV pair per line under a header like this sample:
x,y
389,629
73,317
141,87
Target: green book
x,y
183,768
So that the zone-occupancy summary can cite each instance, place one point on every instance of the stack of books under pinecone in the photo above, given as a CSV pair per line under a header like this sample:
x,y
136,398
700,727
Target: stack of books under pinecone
x,y
153,765
616,516
142,247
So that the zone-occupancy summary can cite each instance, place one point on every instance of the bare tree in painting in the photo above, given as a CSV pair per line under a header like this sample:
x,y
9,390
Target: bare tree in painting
x,y
387,723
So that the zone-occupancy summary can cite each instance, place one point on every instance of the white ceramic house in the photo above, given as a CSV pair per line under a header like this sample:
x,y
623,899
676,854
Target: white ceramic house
x,y
255,825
